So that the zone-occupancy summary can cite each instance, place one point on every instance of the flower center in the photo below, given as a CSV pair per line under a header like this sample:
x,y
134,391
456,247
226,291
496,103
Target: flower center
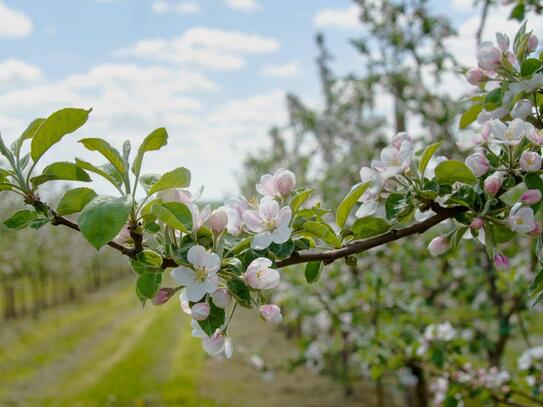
x,y
519,221
200,273
270,224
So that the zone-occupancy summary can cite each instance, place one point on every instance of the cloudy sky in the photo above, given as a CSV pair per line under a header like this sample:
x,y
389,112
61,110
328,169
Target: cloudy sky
x,y
213,72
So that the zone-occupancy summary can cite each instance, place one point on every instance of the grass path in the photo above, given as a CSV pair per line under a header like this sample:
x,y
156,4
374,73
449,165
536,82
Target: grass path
x,y
107,351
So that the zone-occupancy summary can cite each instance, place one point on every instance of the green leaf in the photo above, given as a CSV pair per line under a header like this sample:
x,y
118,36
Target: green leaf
x,y
178,178
313,271
323,232
214,321
154,141
148,284
105,171
299,198
109,152
174,214
517,12
75,200
55,127
148,180
451,171
27,134
470,115
283,250
369,226
530,66
103,218
64,170
513,195
426,156
20,220
149,258
348,202
499,233
240,292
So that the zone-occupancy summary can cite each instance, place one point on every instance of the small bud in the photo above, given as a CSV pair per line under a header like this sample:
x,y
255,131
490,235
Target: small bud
x,y
530,161
163,295
271,313
286,181
200,311
476,223
488,56
493,184
476,76
221,297
532,43
439,245
478,164
536,230
218,220
501,261
531,197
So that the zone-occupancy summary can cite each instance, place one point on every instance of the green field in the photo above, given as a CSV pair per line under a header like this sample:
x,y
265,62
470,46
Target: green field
x,y
107,351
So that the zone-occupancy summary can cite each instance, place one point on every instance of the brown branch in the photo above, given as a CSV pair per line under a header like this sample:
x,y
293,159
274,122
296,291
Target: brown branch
x,y
330,256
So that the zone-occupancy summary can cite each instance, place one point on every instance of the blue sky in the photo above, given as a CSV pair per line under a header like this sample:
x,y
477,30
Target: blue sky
x,y
214,72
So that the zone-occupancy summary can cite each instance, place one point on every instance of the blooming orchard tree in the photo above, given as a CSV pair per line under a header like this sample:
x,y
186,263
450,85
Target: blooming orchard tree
x,y
231,256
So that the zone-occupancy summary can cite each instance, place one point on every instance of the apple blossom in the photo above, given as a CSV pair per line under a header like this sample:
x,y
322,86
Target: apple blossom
x,y
512,133
531,197
526,360
218,220
269,222
218,343
522,109
478,164
476,223
521,219
260,276
476,76
530,161
393,160
200,311
439,245
501,261
280,184
369,197
488,56
271,313
199,217
440,332
163,295
536,137
221,297
202,277
235,207
399,138
493,184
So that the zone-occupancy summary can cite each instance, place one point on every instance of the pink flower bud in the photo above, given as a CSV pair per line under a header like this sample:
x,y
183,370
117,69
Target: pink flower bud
x,y
218,220
530,161
271,313
259,275
286,181
536,231
493,184
200,311
531,197
532,43
439,245
476,223
221,297
501,261
488,56
476,76
478,164
163,295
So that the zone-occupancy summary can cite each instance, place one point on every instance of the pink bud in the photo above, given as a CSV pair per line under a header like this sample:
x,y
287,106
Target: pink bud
x,y
200,311
493,184
439,245
478,164
271,313
488,56
218,220
476,76
501,261
536,230
163,295
221,297
530,161
286,181
476,223
532,43
531,197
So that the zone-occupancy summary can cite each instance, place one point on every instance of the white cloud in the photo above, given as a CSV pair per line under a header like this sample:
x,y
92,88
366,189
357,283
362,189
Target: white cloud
x,y
164,7
17,71
205,47
345,18
242,5
13,23
286,70
463,5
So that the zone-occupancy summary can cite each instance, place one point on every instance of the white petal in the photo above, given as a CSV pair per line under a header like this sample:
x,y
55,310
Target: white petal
x,y
197,256
261,241
213,263
253,221
284,217
211,283
183,275
196,291
228,348
185,306
268,208
281,235
366,209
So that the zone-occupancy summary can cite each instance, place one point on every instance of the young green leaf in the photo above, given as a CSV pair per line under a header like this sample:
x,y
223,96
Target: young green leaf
x,y
148,284
174,214
451,171
75,200
426,156
20,220
470,115
66,171
299,198
109,152
27,134
369,226
323,232
103,218
154,141
149,258
348,202
178,178
240,292
104,171
56,126
313,271
214,321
